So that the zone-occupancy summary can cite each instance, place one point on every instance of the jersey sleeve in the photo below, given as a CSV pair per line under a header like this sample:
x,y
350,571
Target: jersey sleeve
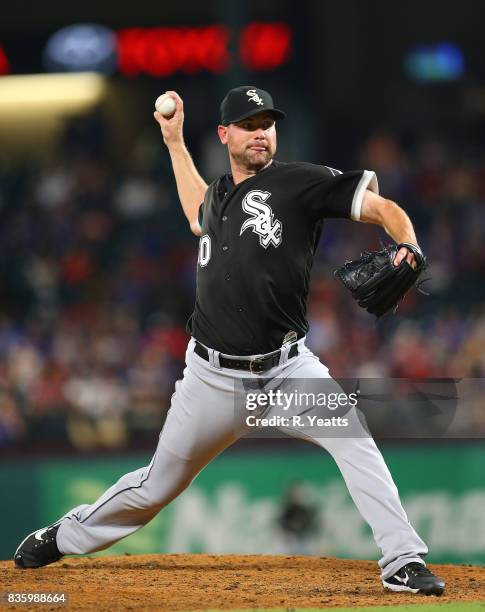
x,y
335,194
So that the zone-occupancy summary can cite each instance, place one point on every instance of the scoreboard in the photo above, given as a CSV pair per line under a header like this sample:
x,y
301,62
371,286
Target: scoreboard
x,y
151,51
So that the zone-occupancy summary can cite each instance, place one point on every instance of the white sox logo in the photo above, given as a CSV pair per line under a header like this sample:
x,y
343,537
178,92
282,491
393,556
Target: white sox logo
x,y
253,96
262,222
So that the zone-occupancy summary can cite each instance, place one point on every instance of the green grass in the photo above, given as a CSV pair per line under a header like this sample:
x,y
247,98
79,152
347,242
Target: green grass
x,y
478,606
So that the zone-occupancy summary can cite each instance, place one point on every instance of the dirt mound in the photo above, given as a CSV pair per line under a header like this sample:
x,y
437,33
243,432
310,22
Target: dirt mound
x,y
199,582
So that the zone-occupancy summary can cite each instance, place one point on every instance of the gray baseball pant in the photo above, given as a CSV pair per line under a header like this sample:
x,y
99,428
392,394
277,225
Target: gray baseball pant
x,y
200,424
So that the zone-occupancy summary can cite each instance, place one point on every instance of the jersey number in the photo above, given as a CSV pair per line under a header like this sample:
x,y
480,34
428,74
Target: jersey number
x,y
204,250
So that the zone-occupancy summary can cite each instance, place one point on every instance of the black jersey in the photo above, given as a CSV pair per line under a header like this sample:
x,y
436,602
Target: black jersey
x,y
256,252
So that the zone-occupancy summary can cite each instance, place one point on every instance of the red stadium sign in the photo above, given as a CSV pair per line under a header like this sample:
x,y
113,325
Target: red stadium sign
x,y
163,51
265,46
4,63
160,52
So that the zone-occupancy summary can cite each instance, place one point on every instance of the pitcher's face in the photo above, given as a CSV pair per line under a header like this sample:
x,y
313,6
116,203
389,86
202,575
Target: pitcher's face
x,y
251,142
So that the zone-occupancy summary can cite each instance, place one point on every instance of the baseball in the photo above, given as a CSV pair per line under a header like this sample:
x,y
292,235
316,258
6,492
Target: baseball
x,y
165,105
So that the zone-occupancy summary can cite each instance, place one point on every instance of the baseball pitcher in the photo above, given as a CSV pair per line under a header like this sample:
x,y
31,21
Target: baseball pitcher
x,y
259,227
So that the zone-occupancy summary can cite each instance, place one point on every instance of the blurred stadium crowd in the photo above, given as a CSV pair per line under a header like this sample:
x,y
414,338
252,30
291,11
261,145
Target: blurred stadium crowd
x,y
97,278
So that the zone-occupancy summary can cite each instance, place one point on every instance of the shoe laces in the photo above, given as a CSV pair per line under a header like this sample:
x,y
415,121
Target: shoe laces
x,y
417,569
48,541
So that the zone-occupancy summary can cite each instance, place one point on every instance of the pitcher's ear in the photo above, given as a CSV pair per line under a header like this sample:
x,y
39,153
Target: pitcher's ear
x,y
222,132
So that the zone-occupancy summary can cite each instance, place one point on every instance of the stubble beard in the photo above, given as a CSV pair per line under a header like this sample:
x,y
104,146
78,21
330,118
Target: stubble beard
x,y
253,161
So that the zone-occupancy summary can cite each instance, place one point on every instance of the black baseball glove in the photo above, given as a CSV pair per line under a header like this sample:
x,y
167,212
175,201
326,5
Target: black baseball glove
x,y
376,283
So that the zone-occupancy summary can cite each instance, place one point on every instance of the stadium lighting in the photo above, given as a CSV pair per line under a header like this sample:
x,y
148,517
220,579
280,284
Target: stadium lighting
x,y
50,92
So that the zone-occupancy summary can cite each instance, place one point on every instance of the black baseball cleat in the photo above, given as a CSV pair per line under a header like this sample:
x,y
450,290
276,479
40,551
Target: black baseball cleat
x,y
39,548
415,578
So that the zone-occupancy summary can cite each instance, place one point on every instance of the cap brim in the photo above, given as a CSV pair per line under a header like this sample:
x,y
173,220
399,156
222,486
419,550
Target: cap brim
x,y
277,114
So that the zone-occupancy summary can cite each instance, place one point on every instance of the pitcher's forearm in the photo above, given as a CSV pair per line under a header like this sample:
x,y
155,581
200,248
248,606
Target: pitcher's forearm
x,y
390,216
190,185
397,224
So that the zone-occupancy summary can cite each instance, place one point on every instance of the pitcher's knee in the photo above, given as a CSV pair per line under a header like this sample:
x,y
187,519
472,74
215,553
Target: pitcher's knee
x,y
168,476
158,495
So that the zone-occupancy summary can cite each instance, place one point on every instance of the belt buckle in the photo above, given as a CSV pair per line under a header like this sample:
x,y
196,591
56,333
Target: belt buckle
x,y
256,363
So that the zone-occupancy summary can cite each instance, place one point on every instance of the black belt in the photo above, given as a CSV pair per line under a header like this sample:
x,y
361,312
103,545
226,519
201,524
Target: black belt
x,y
255,366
